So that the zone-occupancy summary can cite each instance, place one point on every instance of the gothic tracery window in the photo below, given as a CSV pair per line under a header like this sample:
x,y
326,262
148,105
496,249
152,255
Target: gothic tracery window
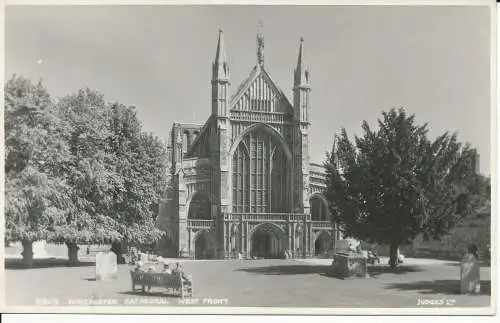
x,y
259,175
199,207
319,210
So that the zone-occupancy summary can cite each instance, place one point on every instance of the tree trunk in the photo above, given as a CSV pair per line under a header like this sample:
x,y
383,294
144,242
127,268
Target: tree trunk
x,y
393,255
27,253
116,247
72,253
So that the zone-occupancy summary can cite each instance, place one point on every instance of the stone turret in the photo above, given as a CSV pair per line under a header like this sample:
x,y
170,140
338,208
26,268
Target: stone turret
x,y
220,80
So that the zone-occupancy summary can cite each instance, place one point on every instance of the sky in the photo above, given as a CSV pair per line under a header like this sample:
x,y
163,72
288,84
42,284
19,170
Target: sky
x,y
433,61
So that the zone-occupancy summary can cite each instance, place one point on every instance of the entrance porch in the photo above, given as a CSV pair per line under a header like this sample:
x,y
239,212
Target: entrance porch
x,y
259,235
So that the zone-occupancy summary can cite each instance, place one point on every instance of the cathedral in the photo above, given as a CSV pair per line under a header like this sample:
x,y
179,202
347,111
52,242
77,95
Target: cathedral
x,y
242,184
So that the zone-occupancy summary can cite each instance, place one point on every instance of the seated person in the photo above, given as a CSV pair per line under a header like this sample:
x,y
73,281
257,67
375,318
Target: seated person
x,y
372,257
139,266
143,256
180,270
166,269
134,256
176,269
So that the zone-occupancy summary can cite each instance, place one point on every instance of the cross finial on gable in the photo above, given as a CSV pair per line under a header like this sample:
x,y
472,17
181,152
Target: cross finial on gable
x,y
260,44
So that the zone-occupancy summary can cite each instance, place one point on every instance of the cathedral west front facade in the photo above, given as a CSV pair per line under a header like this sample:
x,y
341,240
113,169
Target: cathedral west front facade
x,y
242,182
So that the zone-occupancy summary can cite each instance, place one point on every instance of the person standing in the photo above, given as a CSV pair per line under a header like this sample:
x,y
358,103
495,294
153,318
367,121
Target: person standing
x,y
469,271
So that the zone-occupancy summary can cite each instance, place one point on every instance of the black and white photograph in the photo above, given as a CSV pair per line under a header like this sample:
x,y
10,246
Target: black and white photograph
x,y
250,159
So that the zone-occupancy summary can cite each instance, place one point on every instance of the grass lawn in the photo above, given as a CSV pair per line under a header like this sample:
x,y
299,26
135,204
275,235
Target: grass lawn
x,y
274,283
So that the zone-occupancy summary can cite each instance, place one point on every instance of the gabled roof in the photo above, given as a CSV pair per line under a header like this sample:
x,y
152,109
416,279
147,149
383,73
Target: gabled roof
x,y
244,85
256,71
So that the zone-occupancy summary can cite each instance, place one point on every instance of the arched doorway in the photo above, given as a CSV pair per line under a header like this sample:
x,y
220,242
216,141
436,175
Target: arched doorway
x,y
267,241
202,247
322,243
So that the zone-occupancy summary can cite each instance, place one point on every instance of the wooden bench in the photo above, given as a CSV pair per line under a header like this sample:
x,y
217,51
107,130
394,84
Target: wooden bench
x,y
164,280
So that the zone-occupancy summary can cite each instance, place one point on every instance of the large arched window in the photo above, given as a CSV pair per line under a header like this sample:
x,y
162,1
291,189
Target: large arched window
x,y
260,170
319,208
199,207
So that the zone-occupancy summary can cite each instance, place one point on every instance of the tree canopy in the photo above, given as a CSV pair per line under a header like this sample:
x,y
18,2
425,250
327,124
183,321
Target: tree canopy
x,y
35,151
394,183
141,164
117,172
90,171
79,170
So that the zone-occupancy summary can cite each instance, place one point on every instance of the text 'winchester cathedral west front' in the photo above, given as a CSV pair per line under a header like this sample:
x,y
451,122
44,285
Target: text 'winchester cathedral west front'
x,y
242,184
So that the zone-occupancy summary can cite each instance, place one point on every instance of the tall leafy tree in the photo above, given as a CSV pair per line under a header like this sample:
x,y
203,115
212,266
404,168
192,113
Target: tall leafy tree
x,y
141,164
90,171
394,183
35,152
79,171
116,174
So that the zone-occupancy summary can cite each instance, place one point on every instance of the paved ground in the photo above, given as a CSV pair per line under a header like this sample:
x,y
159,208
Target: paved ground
x,y
276,283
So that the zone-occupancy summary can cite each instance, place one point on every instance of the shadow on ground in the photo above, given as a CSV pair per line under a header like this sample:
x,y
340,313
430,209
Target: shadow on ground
x,y
449,287
482,264
43,263
287,270
324,270
377,270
